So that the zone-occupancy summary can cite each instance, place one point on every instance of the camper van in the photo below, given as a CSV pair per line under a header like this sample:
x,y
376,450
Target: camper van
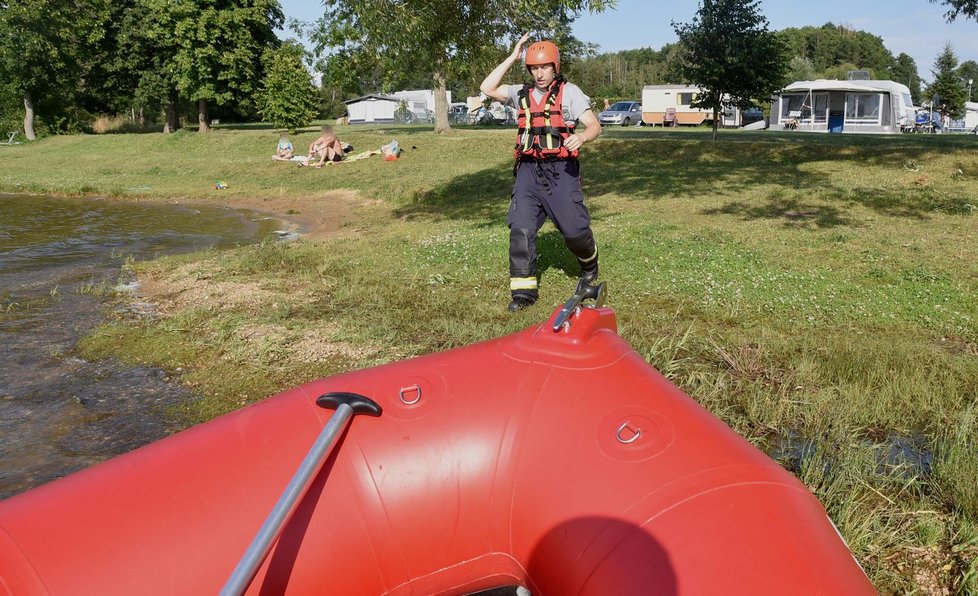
x,y
669,105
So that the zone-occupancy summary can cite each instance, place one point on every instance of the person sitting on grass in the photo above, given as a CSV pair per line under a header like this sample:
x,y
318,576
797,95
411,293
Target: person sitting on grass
x,y
327,147
284,151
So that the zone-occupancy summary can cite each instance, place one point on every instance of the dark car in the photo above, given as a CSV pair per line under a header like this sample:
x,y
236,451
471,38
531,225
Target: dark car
x,y
624,113
751,115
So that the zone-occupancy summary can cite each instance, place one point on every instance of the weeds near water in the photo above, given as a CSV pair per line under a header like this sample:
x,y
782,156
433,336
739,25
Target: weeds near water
x,y
665,354
100,288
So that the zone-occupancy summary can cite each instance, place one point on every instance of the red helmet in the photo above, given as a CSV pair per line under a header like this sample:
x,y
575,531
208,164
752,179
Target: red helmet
x,y
542,52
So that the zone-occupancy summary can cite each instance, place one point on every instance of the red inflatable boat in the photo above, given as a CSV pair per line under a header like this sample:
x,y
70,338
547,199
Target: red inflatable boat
x,y
556,460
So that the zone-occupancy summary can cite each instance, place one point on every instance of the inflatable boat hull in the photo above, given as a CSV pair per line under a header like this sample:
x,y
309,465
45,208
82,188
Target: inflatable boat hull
x,y
560,461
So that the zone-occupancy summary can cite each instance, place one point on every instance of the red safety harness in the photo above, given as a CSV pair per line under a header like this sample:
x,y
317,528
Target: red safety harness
x,y
542,128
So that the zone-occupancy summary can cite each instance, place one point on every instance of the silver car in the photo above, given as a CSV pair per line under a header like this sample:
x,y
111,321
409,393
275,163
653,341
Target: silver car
x,y
624,113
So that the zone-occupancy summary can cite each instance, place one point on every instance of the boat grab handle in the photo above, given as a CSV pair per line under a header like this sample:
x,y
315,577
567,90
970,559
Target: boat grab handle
x,y
636,433
408,391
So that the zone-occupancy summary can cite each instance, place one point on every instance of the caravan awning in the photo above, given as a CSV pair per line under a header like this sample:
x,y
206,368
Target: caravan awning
x,y
824,85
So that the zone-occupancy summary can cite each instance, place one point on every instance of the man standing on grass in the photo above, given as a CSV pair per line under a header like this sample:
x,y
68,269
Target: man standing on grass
x,y
548,182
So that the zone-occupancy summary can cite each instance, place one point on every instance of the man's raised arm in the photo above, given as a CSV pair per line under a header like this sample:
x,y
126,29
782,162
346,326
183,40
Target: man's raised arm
x,y
493,85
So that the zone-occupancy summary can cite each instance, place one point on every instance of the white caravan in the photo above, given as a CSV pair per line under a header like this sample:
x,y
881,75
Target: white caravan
x,y
670,105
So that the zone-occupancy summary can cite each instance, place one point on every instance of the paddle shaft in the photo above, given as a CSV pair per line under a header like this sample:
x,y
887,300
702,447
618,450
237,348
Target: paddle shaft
x,y
275,522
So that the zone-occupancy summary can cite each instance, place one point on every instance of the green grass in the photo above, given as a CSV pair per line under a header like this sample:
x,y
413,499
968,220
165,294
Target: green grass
x,y
813,291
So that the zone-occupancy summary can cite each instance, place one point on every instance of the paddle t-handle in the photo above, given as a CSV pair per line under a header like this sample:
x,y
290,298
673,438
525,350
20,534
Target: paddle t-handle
x,y
347,405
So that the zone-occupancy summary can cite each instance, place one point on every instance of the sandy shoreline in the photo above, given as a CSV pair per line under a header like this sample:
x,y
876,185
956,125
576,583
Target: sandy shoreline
x,y
315,216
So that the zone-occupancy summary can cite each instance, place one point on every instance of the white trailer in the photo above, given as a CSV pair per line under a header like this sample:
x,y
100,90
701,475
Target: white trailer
x,y
659,100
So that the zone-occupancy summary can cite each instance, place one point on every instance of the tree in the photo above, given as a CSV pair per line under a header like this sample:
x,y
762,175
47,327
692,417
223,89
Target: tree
x,y
221,43
288,99
622,75
442,38
731,55
905,71
841,71
146,58
801,69
947,86
968,8
830,46
106,86
43,51
968,71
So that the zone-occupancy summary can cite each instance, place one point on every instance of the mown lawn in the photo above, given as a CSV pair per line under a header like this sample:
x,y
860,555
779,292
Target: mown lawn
x,y
819,293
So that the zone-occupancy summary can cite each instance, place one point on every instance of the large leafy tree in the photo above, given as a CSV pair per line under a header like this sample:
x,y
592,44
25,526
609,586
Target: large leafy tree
x,y
221,43
731,55
288,97
146,61
45,51
107,87
442,38
947,85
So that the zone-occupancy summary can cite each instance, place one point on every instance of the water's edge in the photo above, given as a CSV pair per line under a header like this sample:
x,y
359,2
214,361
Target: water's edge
x,y
60,263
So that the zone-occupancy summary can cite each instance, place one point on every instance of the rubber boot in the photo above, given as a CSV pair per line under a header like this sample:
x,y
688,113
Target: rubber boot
x,y
521,301
589,271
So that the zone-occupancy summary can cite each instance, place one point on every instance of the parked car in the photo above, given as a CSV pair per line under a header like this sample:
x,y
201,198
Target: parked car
x,y
751,115
625,113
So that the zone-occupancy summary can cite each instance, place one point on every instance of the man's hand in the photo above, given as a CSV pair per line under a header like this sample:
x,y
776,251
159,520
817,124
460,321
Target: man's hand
x,y
574,142
493,84
518,48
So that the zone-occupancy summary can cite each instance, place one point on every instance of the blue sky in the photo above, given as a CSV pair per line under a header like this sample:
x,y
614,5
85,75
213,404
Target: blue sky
x,y
915,27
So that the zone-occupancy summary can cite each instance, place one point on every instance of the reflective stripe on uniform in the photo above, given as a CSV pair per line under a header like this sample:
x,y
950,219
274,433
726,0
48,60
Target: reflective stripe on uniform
x,y
529,118
522,283
591,258
546,122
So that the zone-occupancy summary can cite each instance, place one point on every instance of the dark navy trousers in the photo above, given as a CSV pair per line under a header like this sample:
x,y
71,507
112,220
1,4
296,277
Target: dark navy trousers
x,y
546,189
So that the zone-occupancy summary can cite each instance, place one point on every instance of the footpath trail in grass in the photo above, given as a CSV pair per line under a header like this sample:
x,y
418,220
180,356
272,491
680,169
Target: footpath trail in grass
x,y
819,293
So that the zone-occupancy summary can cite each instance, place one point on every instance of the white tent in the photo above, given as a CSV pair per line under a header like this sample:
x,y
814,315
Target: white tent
x,y
971,116
371,109
844,106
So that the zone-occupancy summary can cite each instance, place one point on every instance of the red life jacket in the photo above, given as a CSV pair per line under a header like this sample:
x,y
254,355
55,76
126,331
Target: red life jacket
x,y
542,128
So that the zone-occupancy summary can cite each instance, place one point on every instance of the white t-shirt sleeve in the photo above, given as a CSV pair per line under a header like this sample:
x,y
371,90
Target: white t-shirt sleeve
x,y
514,96
575,102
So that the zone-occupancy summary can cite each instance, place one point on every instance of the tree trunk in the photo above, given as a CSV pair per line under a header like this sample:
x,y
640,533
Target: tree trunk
x,y
202,123
142,115
172,116
29,117
716,122
441,102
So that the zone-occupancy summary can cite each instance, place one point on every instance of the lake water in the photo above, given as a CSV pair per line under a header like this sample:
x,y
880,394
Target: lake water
x,y
59,413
